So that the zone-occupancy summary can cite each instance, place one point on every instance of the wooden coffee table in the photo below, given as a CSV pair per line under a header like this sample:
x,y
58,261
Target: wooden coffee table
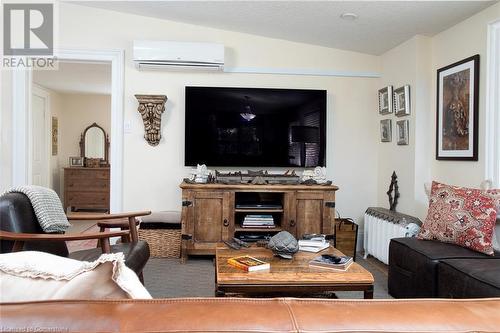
x,y
289,277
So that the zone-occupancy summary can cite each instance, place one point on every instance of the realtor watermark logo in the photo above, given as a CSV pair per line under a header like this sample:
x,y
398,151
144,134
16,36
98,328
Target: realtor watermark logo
x,y
28,35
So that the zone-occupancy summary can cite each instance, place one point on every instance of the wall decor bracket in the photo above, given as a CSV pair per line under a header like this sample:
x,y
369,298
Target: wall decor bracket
x,y
151,108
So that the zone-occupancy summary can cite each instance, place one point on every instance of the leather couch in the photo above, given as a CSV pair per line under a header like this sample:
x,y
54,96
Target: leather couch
x,y
423,268
253,315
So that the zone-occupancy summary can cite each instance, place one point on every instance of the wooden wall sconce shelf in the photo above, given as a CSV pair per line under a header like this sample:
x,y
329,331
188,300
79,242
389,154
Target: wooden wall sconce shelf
x,y
151,108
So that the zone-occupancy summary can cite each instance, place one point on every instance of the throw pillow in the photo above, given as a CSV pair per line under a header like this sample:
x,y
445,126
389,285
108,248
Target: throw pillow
x,y
32,276
496,233
462,216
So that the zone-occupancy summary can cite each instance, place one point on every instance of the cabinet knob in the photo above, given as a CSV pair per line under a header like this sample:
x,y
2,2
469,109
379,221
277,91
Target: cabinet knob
x,y
292,223
226,223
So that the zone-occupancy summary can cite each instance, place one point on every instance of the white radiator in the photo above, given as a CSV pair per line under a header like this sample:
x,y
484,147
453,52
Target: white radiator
x,y
381,227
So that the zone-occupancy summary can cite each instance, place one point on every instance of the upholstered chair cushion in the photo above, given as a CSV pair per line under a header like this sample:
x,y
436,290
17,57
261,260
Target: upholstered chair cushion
x,y
32,275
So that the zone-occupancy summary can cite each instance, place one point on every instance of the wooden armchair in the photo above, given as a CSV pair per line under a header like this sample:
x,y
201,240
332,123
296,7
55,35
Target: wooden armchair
x,y
20,230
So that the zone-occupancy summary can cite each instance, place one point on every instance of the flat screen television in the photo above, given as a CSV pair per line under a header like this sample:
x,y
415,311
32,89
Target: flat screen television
x,y
255,127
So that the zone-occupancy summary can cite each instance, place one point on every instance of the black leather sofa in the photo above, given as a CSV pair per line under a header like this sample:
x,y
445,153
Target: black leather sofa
x,y
424,269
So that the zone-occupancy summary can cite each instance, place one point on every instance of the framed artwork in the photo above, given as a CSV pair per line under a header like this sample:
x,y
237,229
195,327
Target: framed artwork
x,y
457,110
402,101
76,161
403,130
385,100
386,130
55,129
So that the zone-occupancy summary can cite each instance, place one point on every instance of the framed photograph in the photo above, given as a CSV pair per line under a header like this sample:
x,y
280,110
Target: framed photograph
x,y
76,161
55,131
386,130
385,100
457,110
402,101
403,130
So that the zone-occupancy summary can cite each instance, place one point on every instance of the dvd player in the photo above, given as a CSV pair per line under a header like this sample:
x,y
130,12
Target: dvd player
x,y
259,206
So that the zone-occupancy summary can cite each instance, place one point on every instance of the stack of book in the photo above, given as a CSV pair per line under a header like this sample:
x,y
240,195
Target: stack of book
x,y
313,245
332,262
248,263
258,221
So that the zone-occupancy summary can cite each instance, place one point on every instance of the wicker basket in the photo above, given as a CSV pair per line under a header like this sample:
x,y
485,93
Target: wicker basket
x,y
163,243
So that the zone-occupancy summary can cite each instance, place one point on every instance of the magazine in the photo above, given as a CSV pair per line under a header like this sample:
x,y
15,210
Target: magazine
x,y
332,262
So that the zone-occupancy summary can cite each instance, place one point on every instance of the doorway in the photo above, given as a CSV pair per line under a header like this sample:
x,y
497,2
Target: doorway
x,y
39,138
79,110
22,95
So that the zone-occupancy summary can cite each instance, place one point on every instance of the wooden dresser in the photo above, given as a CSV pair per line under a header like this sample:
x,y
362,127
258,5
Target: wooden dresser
x,y
86,188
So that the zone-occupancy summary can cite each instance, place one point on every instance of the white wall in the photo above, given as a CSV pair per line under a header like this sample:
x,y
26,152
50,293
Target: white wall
x,y
459,42
5,130
152,174
415,62
408,63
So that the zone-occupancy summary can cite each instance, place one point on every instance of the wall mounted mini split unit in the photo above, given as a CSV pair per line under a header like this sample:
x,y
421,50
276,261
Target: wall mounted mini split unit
x,y
178,55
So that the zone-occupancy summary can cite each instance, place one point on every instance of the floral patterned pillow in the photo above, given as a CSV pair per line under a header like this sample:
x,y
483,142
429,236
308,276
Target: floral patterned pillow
x,y
462,216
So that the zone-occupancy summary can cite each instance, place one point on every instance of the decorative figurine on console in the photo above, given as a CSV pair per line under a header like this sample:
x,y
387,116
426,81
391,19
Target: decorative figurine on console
x,y
202,174
314,177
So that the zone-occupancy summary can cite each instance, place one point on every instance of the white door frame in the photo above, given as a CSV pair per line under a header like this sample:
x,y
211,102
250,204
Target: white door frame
x,y
40,91
21,97
492,153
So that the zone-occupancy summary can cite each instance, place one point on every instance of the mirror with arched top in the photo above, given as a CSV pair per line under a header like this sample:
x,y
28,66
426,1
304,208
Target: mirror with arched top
x,y
94,144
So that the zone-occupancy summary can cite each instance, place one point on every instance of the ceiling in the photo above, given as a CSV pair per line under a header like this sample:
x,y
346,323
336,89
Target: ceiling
x,y
381,25
76,77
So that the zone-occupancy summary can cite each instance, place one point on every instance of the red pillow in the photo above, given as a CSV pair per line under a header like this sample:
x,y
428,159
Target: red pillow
x,y
462,216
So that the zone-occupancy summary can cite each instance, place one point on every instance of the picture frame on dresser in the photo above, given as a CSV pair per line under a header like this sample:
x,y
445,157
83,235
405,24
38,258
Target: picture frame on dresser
x,y
76,161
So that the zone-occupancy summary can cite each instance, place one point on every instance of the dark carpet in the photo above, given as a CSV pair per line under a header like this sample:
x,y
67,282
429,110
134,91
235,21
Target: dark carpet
x,y
166,278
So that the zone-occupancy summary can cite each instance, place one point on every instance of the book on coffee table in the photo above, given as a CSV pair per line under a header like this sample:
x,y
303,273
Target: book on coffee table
x,y
248,263
313,245
330,262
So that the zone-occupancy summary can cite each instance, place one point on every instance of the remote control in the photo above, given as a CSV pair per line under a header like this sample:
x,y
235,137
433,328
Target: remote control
x,y
233,246
240,242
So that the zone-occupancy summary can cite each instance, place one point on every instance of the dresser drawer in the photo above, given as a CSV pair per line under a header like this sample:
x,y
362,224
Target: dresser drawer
x,y
86,173
87,199
87,184
86,188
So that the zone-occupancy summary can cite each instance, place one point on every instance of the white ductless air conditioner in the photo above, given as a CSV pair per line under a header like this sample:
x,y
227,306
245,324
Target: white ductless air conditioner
x,y
178,55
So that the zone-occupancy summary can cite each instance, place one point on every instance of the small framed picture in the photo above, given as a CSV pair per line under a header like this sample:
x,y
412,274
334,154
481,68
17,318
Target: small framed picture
x,y
76,161
385,100
402,101
386,130
403,129
55,134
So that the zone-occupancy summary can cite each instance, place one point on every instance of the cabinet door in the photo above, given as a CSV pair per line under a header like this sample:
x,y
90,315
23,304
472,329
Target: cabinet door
x,y
289,222
209,219
314,212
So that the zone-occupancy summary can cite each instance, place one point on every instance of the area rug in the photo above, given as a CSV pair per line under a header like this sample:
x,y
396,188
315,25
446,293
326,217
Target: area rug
x,y
166,278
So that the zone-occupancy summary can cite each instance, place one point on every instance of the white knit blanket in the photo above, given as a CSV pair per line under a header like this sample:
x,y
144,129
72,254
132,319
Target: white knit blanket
x,y
47,206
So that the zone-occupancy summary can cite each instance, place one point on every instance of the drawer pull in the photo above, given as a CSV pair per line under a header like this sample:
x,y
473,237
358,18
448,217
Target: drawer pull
x,y
226,223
